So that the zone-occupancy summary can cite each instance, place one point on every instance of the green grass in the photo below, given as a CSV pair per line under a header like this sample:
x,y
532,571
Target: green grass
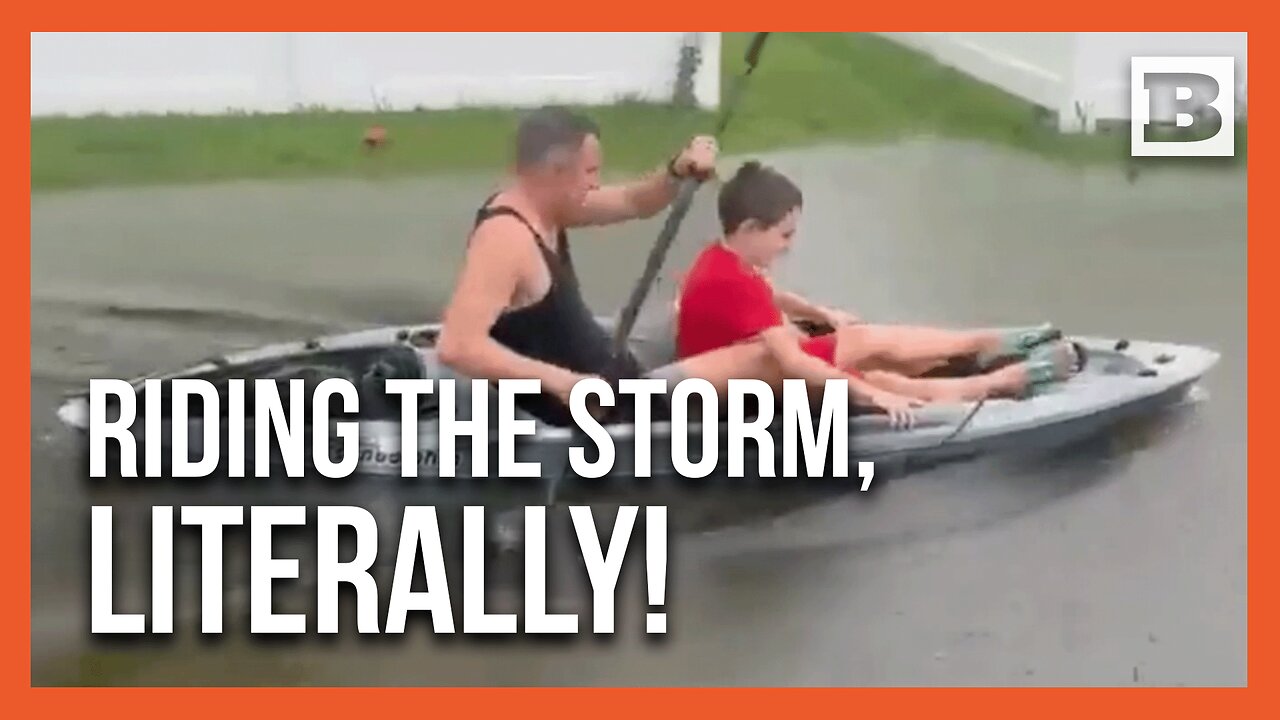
x,y
809,87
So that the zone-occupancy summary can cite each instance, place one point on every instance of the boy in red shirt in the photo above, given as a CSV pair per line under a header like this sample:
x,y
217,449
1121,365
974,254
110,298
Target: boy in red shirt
x,y
726,299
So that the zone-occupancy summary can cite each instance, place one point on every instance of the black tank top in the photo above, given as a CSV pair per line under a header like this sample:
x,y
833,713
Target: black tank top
x,y
559,328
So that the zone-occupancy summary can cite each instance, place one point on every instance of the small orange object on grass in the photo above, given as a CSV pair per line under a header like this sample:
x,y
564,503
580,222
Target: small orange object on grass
x,y
375,137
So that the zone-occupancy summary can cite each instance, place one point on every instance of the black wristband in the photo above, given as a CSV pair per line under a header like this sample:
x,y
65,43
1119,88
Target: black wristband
x,y
671,168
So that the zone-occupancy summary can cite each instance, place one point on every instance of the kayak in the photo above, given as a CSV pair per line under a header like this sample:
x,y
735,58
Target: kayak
x,y
1122,379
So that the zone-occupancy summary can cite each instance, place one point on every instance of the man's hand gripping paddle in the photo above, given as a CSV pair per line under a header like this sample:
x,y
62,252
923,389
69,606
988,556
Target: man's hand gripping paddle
x,y
680,208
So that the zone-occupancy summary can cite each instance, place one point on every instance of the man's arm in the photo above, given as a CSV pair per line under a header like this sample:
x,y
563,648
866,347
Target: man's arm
x,y
648,195
642,198
490,278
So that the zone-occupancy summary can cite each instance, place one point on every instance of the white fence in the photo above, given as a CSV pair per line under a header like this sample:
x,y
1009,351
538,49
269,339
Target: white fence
x,y
1084,77
210,73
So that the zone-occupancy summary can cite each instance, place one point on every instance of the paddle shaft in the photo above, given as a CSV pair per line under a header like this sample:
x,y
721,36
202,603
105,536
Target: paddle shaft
x,y
679,208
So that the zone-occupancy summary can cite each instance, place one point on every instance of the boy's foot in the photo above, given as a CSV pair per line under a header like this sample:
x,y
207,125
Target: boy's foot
x,y
1018,343
1044,365
1052,363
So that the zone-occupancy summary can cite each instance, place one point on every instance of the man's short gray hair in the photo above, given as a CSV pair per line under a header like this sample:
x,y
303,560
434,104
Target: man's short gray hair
x,y
548,131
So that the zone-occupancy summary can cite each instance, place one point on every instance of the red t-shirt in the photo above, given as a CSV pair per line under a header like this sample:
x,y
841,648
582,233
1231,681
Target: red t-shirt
x,y
724,301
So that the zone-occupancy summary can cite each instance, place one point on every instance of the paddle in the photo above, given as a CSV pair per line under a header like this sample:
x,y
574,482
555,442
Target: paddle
x,y
679,208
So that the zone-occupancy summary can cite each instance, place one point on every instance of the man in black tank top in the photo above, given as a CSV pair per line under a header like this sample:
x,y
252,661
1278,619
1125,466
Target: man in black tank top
x,y
517,309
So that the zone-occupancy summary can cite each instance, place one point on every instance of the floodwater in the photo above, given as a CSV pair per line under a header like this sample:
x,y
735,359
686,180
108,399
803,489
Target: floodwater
x,y
1117,561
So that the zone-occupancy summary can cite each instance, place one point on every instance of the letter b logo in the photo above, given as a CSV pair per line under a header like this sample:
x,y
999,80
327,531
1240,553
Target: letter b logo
x,y
1215,104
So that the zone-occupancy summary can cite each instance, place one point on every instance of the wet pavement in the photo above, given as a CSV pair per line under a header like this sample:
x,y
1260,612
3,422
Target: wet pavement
x,y
1117,561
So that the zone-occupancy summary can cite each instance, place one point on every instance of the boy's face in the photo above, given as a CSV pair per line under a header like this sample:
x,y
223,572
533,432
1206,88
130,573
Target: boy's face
x,y
764,245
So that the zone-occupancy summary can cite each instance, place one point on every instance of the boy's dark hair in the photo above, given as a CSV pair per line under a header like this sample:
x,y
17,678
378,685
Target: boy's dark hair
x,y
548,129
759,193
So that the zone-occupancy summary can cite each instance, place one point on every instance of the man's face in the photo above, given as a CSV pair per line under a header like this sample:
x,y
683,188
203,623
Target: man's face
x,y
580,173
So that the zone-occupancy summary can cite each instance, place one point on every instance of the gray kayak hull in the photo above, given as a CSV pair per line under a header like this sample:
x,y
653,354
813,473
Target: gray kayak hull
x,y
1123,379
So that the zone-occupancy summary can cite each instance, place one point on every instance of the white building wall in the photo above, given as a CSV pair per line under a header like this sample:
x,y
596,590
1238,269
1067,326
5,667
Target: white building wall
x,y
1084,77
210,73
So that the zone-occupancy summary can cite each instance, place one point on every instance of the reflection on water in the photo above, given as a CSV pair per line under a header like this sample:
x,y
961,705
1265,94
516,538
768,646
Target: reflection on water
x,y
1114,559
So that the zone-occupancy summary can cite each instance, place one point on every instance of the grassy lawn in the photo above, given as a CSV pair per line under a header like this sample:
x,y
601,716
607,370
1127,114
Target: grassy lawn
x,y
809,87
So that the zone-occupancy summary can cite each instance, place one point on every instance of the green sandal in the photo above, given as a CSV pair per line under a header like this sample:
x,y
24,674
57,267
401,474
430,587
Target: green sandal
x,y
1018,343
1044,369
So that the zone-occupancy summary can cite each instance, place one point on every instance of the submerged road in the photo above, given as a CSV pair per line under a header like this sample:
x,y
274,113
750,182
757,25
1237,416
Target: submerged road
x,y
1117,561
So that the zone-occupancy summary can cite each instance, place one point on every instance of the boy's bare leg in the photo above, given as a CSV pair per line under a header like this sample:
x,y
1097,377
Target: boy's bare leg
x,y
1009,380
855,346
910,369
906,348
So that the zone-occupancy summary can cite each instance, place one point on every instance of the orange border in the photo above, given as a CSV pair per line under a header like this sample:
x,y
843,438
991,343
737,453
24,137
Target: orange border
x,y
502,15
